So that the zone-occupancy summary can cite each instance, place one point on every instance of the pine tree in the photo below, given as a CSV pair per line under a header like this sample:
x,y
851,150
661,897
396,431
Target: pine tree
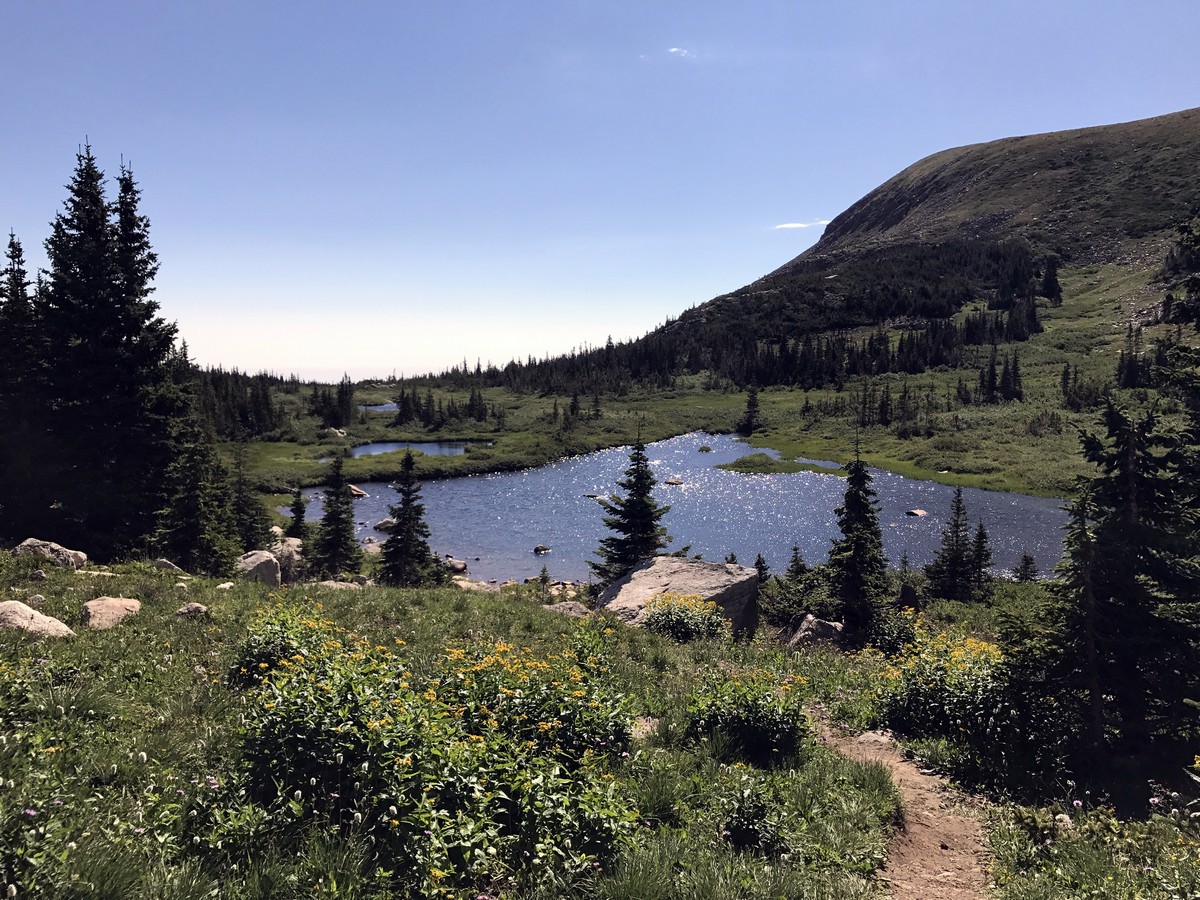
x,y
750,421
407,560
335,548
857,566
196,527
764,571
797,567
634,519
253,523
296,527
950,572
105,404
980,566
1026,570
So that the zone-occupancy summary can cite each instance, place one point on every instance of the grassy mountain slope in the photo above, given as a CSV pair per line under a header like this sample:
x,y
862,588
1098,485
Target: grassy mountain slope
x,y
1091,196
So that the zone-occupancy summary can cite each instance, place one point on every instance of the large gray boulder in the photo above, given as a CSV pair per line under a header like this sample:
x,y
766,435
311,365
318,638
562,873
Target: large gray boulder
x,y
290,553
17,616
55,553
733,588
105,612
259,565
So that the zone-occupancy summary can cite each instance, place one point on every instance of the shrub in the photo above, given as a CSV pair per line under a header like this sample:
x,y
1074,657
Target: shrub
x,y
753,716
483,775
963,689
685,617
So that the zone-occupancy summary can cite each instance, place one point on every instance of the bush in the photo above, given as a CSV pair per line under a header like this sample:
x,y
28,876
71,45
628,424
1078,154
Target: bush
x,y
754,716
685,617
483,775
963,689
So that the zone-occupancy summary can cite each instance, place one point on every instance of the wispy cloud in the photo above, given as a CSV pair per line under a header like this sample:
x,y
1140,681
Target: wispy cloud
x,y
816,224
680,53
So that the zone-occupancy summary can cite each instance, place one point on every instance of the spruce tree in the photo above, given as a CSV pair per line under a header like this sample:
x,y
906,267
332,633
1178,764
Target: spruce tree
x,y
196,528
764,571
981,564
104,405
407,560
335,548
253,522
1026,570
296,527
797,567
950,573
750,421
634,520
857,566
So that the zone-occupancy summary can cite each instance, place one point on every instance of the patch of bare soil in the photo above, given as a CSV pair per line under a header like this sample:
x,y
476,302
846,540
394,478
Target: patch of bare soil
x,y
938,854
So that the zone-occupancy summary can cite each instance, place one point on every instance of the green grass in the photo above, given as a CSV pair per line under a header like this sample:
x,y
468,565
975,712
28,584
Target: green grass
x,y
763,464
128,746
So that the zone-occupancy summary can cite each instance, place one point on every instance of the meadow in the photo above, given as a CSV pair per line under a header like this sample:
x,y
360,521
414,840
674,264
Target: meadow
x,y
308,742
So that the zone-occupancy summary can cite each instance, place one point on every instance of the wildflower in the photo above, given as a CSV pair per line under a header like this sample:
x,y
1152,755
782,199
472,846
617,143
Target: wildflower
x,y
1078,804
30,811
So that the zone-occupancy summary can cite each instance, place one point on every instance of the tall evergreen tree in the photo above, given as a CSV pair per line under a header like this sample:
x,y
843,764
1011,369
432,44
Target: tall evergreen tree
x,y
950,573
1026,570
335,548
634,520
105,405
857,566
750,421
407,559
797,567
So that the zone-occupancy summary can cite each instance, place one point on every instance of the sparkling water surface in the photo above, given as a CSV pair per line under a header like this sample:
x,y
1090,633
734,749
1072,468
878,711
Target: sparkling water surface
x,y
494,521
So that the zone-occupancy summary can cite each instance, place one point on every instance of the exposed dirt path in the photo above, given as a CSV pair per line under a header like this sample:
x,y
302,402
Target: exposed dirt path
x,y
939,852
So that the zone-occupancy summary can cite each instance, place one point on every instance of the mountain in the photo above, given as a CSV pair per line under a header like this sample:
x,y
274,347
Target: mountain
x,y
953,225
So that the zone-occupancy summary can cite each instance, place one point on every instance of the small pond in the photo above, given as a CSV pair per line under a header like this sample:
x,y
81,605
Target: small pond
x,y
494,521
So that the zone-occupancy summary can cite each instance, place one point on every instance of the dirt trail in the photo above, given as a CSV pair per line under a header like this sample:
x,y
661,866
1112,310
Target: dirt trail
x,y
939,853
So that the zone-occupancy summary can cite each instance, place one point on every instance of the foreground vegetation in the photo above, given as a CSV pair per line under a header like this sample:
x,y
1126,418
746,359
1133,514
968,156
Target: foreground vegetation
x,y
374,743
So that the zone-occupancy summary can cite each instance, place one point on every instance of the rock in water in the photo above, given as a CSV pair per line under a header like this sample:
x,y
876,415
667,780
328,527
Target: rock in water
x,y
16,615
105,612
55,553
732,587
259,565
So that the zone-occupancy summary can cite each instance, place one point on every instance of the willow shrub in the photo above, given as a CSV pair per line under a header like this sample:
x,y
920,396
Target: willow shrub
x,y
754,716
964,690
491,772
685,617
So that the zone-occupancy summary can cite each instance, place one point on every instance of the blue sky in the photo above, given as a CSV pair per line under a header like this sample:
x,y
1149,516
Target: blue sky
x,y
369,187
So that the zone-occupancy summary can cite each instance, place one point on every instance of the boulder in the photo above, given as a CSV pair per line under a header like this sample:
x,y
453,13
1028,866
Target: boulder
x,y
35,600
815,631
916,513
166,565
17,616
192,611
259,565
105,612
571,608
340,585
38,575
54,553
290,553
225,586
540,549
456,566
356,492
732,587
385,525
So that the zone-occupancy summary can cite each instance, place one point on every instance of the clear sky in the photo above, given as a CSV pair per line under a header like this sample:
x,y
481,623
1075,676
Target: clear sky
x,y
369,187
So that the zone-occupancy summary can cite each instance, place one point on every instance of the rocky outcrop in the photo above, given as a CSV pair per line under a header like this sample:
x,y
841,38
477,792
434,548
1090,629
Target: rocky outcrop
x,y
105,612
732,587
259,565
17,616
54,553
815,631
290,553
